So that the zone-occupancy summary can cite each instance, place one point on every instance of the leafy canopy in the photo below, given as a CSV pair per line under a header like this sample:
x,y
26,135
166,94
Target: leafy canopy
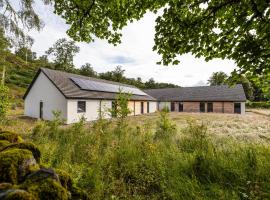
x,y
218,78
63,52
15,16
232,29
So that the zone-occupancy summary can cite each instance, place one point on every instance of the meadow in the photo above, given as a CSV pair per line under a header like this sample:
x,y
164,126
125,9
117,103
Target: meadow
x,y
158,156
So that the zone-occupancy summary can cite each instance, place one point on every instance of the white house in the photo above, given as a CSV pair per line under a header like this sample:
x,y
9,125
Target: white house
x,y
76,96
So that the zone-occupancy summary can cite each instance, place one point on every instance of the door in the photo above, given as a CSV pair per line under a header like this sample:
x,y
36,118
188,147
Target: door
x,y
172,106
210,107
202,107
142,111
181,107
148,107
114,109
237,108
41,110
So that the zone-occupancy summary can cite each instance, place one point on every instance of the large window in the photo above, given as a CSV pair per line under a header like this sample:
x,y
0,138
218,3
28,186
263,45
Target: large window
x,y
81,107
202,107
210,107
237,108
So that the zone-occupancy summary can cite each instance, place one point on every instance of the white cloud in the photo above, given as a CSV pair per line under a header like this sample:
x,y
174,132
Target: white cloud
x,y
138,59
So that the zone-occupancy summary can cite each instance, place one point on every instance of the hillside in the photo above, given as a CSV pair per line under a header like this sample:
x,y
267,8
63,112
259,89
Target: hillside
x,y
19,75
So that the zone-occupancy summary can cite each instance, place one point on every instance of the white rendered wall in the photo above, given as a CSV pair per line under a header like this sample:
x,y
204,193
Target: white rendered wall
x,y
53,100
92,110
91,113
164,104
106,105
152,106
243,108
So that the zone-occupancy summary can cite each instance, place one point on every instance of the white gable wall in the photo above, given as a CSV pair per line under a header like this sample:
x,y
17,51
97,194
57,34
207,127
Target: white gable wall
x,y
53,100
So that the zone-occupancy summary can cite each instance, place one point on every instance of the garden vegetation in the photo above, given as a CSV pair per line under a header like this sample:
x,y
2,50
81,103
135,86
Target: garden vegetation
x,y
112,159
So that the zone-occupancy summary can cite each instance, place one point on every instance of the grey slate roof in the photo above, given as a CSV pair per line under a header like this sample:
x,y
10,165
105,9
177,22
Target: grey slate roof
x,y
202,93
70,90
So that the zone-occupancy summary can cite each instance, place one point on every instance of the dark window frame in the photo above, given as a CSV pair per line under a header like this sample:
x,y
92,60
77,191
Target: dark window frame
x,y
181,105
142,107
41,105
237,110
81,106
202,110
210,109
172,106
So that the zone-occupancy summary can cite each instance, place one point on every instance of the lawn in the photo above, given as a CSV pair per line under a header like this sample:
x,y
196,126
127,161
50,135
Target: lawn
x,y
251,127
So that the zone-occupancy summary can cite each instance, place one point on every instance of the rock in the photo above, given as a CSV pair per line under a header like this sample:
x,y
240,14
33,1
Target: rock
x,y
67,183
41,174
4,144
5,186
45,188
16,194
21,176
10,136
65,179
26,145
15,164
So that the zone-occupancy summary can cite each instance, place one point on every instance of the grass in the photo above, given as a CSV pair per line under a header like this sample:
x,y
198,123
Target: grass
x,y
169,156
261,111
251,127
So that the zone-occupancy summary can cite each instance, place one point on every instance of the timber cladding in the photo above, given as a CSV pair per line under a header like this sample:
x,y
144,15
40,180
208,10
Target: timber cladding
x,y
218,107
191,106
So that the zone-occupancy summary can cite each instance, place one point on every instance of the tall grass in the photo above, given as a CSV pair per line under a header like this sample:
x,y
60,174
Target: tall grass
x,y
165,163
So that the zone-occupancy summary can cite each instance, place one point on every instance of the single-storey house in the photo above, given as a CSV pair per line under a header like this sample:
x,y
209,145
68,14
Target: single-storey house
x,y
218,99
76,96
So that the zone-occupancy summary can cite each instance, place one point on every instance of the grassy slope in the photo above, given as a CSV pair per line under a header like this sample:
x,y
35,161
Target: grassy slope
x,y
19,75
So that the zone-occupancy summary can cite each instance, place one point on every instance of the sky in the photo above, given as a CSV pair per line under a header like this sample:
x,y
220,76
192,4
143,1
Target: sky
x,y
134,54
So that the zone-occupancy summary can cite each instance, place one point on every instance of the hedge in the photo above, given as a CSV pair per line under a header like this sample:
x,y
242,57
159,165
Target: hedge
x,y
260,104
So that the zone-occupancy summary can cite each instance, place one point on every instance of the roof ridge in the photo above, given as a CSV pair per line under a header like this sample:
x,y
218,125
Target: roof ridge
x,y
203,86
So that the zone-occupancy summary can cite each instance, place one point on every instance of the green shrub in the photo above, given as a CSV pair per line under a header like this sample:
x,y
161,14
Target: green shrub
x,y
4,101
158,163
261,104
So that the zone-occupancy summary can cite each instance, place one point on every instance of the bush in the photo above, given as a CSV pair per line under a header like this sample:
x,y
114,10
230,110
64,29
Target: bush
x,y
157,163
261,104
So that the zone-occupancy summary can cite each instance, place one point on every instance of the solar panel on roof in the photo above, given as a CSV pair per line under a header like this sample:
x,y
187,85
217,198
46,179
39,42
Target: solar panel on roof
x,y
91,85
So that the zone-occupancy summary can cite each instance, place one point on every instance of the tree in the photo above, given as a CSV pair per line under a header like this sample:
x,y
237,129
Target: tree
x,y
17,15
248,88
4,100
116,75
26,54
87,70
232,29
63,52
218,78
150,84
4,44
